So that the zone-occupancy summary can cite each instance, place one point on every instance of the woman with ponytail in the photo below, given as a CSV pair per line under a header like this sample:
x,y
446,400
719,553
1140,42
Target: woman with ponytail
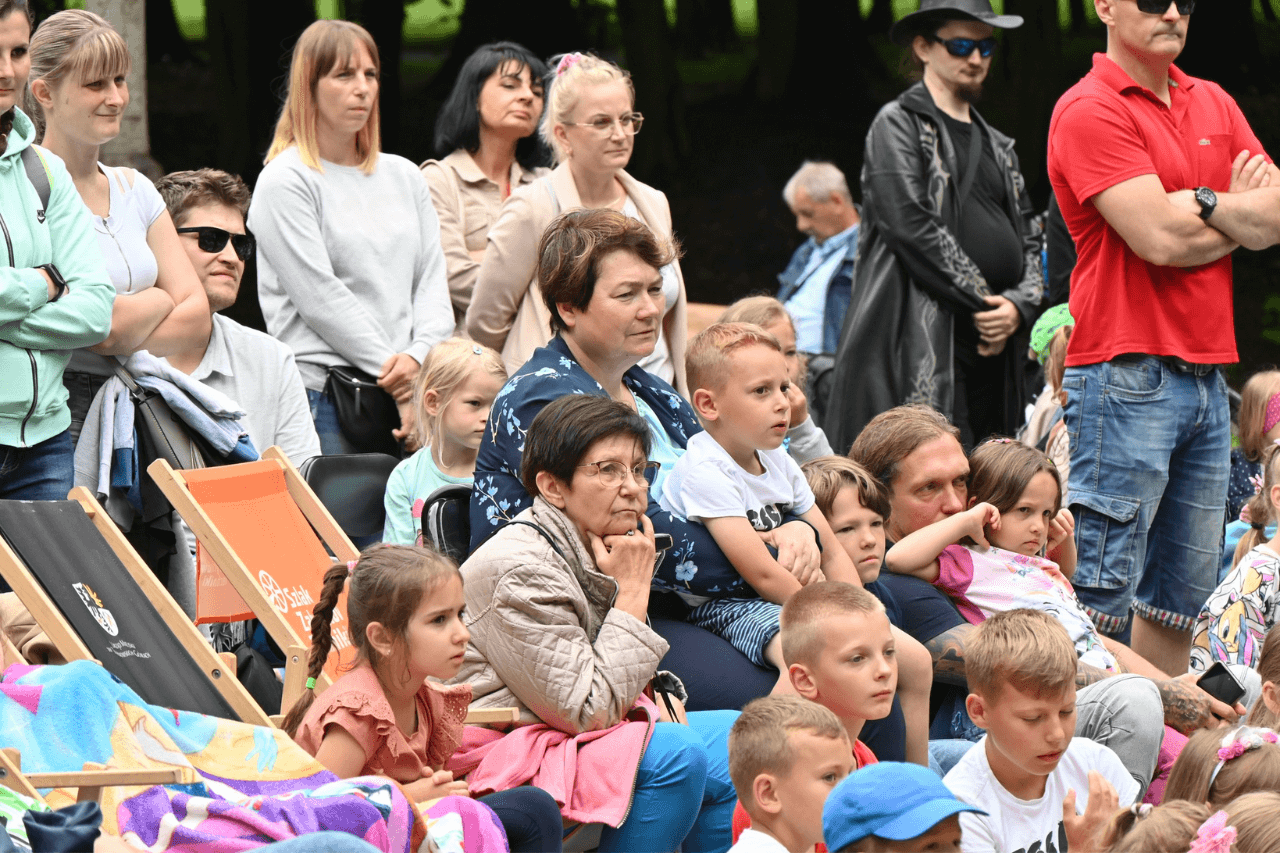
x,y
383,718
1245,605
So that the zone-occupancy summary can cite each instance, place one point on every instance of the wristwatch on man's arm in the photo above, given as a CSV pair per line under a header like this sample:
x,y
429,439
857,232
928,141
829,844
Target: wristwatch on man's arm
x,y
59,283
1208,202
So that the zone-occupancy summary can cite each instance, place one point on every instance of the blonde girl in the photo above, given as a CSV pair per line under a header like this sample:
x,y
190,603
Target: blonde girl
x,y
1143,828
991,557
350,270
453,392
1254,818
1266,711
1259,430
1245,605
383,718
805,440
1218,765
77,96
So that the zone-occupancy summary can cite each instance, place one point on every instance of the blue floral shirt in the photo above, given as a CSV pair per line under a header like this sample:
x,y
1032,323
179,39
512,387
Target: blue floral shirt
x,y
694,561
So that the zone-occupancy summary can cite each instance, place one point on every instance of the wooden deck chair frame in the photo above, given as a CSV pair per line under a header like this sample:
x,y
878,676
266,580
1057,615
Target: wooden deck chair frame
x,y
88,782
174,486
69,644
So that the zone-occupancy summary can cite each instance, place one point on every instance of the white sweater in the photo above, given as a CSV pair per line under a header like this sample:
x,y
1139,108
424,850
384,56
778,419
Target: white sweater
x,y
350,268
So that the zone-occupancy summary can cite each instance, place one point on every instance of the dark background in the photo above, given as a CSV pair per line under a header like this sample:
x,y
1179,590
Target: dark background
x,y
727,119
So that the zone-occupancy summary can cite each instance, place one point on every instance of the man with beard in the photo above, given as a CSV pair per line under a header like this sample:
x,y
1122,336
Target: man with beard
x,y
1160,179
948,269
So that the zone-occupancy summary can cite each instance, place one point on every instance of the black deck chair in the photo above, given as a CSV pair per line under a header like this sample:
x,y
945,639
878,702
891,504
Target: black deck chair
x,y
351,486
91,593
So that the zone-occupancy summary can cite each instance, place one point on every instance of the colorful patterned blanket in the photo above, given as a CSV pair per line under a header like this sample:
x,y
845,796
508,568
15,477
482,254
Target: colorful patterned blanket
x,y
244,786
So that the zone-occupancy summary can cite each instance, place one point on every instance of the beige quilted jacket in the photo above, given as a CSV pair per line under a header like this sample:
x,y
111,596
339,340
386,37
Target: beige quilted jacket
x,y
545,636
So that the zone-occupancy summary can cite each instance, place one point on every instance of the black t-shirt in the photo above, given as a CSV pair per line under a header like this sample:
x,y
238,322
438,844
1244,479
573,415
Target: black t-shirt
x,y
986,233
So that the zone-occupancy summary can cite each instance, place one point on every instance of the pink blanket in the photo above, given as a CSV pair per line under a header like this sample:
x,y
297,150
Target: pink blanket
x,y
591,774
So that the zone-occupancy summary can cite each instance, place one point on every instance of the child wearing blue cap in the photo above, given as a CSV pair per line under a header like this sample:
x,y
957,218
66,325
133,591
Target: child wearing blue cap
x,y
893,808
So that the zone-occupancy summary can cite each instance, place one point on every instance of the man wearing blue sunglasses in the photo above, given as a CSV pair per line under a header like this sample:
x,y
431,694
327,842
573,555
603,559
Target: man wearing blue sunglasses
x,y
948,275
1159,179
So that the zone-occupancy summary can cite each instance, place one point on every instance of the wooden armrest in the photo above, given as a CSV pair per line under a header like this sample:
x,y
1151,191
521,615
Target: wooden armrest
x,y
487,716
106,778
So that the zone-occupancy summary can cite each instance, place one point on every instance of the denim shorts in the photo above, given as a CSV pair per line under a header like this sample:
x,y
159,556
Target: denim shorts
x,y
1150,458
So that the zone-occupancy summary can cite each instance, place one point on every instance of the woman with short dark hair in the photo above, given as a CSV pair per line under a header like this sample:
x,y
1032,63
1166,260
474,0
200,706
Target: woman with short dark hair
x,y
487,142
558,604
603,292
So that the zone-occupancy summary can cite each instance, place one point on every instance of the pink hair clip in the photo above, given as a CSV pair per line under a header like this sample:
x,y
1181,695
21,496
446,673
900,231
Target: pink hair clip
x,y
351,567
1214,836
566,62
1238,742
1001,441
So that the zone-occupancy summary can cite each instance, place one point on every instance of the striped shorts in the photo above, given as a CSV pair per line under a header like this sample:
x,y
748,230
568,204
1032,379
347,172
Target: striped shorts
x,y
748,624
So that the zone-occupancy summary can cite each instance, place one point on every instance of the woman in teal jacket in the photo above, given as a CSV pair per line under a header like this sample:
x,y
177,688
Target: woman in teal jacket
x,y
54,291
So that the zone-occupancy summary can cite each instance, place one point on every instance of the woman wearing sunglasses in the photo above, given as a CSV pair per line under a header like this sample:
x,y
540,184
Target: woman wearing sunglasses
x,y
591,125
350,274
488,144
77,96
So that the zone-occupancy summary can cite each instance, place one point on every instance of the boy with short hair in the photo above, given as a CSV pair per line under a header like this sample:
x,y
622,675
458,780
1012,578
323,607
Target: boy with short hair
x,y
893,808
785,756
738,480
1041,788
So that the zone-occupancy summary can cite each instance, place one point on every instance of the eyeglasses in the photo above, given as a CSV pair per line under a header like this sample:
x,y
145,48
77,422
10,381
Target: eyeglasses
x,y
613,473
630,123
214,240
965,47
1159,7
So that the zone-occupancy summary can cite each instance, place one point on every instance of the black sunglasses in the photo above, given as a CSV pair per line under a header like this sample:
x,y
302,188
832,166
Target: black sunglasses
x,y
214,240
1159,7
965,47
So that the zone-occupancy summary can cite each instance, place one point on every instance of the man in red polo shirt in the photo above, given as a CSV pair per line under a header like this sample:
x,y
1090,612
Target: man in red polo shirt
x,y
1159,179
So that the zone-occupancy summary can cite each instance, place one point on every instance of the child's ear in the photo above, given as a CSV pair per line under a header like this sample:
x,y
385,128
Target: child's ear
x,y
764,790
379,638
802,681
977,708
551,488
704,404
431,402
1271,696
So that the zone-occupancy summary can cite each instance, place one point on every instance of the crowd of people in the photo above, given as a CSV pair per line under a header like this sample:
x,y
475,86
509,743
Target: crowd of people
x,y
982,628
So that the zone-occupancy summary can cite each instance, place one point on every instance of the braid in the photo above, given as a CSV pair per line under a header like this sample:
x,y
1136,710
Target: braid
x,y
321,641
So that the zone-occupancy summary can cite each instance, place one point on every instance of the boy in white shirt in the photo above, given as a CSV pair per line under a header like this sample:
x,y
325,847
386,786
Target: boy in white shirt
x,y
1040,788
786,754
738,480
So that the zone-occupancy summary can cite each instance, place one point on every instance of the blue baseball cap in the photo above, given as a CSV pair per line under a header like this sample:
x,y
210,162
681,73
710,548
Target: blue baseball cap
x,y
890,800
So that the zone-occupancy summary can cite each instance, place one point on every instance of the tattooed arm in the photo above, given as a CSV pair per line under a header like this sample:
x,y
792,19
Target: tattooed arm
x,y
1187,707
947,650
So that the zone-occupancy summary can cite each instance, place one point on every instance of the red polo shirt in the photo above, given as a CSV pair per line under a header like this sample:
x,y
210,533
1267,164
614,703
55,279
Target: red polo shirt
x,y
1106,130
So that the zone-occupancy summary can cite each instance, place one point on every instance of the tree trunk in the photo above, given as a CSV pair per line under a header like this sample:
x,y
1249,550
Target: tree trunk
x,y
1079,17
704,26
659,95
133,146
880,18
384,19
1268,10
775,47
1033,50
827,34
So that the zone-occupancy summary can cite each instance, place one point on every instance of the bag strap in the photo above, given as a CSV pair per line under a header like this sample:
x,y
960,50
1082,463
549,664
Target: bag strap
x,y
545,535
38,174
971,168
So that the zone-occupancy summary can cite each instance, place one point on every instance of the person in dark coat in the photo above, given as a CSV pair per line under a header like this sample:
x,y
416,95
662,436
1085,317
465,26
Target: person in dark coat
x,y
948,277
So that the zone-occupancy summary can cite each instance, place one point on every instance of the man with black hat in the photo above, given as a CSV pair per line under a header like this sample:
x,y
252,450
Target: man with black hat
x,y
1159,178
948,268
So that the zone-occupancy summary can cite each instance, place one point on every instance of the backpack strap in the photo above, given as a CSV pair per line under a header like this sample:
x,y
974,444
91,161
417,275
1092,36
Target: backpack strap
x,y
38,174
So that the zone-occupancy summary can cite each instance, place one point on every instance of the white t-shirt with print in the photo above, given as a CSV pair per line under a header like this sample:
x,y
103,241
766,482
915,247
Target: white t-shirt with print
x,y
707,483
1012,825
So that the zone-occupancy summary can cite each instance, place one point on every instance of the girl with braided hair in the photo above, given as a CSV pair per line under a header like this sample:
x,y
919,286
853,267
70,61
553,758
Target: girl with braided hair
x,y
382,717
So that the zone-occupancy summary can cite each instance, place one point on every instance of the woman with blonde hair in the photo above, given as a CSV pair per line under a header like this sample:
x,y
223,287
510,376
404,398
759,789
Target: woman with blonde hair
x,y
351,274
590,124
78,95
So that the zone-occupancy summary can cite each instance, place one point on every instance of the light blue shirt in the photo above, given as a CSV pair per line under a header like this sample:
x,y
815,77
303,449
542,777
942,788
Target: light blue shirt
x,y
663,451
808,305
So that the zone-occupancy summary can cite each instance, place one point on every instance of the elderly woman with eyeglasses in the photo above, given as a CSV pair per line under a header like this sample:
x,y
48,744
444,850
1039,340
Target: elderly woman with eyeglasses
x,y
591,124
556,603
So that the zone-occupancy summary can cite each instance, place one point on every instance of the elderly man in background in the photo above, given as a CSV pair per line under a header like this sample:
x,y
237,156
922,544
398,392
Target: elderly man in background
x,y
816,283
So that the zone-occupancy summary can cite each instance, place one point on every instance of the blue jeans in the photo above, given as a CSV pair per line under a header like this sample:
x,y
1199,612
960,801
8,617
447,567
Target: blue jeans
x,y
42,472
530,818
683,796
1150,459
325,416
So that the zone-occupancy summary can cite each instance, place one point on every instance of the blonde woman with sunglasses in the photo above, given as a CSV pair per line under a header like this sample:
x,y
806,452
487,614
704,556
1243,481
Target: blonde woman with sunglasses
x,y
590,123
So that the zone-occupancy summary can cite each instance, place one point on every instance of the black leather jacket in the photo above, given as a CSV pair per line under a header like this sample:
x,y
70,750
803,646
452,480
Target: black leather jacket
x,y
912,278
